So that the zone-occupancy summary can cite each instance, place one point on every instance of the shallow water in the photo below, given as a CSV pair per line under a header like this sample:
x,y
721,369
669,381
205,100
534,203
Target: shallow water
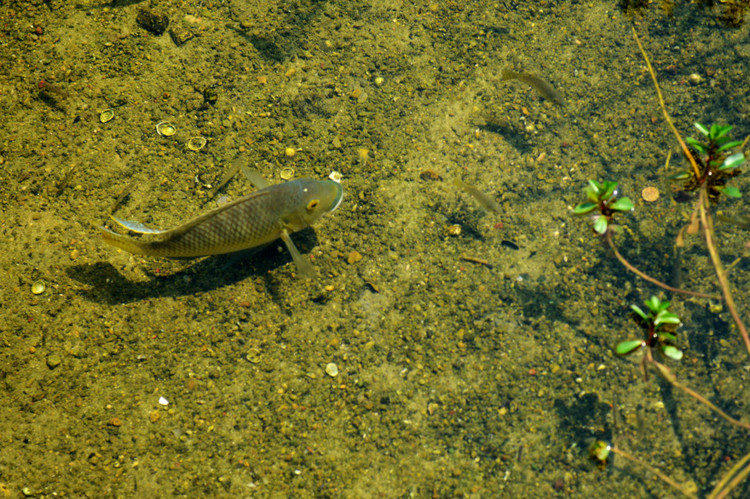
x,y
455,377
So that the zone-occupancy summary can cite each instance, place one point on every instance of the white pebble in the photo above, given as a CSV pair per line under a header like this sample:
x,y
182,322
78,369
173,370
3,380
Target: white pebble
x,y
332,370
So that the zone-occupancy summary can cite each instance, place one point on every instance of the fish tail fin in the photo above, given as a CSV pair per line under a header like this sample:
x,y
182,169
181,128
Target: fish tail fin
x,y
123,242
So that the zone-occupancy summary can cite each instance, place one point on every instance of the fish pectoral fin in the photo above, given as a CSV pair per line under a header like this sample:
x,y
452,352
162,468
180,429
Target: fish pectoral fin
x,y
136,227
304,267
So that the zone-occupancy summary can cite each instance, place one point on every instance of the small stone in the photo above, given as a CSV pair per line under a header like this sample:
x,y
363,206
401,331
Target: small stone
x,y
332,370
53,360
650,194
38,287
152,21
180,35
695,78
353,257
453,230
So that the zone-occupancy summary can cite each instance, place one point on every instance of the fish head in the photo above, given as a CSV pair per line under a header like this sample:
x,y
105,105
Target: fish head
x,y
319,197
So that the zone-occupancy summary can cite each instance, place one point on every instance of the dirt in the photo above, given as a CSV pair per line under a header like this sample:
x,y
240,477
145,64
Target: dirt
x,y
473,349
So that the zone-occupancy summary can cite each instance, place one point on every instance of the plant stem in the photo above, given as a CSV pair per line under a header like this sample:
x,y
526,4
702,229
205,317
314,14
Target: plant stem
x,y
705,216
708,231
685,151
630,267
672,379
720,491
653,470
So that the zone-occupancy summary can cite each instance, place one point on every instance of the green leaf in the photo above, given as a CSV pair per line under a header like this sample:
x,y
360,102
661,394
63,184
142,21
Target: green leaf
x,y
609,189
592,191
719,131
730,191
596,187
640,312
655,304
699,146
701,128
673,353
622,204
680,176
629,346
600,225
600,451
584,208
733,161
730,145
667,337
665,317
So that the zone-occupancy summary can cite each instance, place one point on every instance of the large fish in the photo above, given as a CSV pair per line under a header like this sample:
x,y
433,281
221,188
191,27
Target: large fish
x,y
248,222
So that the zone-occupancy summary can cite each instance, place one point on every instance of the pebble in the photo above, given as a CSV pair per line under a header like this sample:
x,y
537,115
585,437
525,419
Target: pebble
x,y
650,194
332,370
53,360
38,287
353,257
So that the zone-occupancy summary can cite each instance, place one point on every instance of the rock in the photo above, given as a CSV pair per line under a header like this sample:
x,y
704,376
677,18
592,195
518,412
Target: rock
x,y
152,21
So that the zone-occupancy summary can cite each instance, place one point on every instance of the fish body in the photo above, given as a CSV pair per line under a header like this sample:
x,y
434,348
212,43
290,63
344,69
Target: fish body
x,y
248,222
544,88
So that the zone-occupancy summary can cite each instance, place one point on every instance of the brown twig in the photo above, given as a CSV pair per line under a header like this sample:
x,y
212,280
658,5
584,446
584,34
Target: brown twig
x,y
722,488
708,231
653,470
633,269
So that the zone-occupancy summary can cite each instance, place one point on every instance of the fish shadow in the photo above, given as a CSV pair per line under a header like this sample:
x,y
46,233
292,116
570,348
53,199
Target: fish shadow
x,y
107,285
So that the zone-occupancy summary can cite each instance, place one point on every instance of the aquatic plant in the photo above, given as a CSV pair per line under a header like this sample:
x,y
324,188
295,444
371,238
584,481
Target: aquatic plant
x,y
712,165
603,199
659,324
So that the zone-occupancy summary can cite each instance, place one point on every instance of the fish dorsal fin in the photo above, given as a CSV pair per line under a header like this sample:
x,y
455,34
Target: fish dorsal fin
x,y
136,227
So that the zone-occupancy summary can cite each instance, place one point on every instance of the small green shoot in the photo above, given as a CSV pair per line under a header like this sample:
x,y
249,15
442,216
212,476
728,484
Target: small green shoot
x,y
602,197
659,324
715,165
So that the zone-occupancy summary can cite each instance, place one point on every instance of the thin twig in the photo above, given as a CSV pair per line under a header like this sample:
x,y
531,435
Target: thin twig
x,y
684,147
630,267
672,379
720,491
653,470
708,231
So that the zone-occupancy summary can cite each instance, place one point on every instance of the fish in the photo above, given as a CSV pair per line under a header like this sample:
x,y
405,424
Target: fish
x,y
251,221
544,88
483,199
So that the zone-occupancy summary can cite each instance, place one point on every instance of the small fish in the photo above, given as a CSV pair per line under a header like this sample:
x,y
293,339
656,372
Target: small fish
x,y
248,222
544,88
487,202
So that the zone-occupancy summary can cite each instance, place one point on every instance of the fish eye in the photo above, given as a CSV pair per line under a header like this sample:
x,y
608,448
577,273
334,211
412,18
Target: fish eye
x,y
312,204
